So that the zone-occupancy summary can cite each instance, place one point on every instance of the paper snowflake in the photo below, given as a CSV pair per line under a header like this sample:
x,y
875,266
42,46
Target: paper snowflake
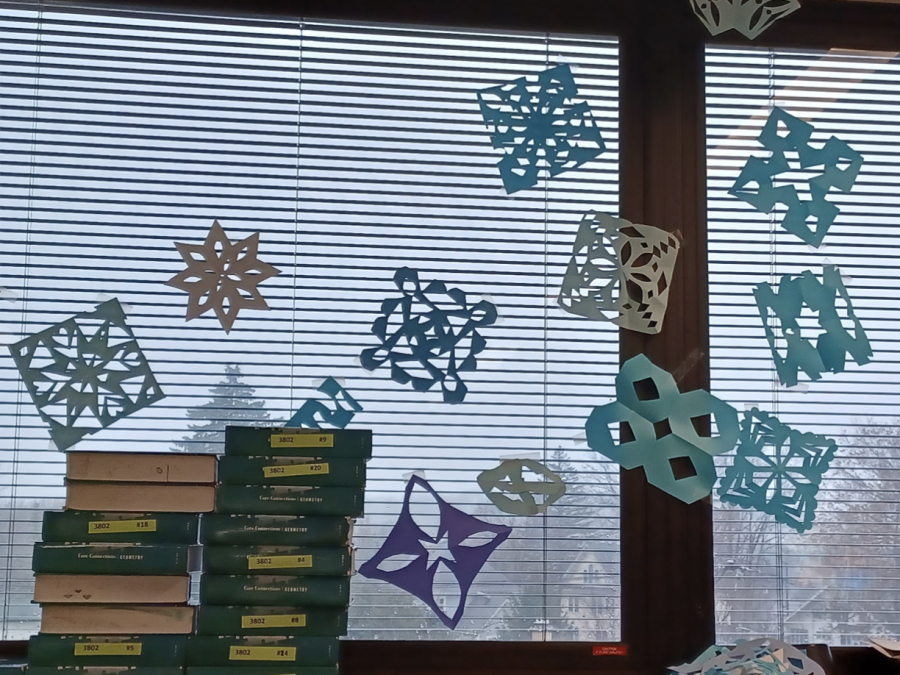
x,y
429,335
777,470
225,280
538,125
313,413
765,196
449,548
620,272
510,490
764,656
85,373
666,444
833,342
749,17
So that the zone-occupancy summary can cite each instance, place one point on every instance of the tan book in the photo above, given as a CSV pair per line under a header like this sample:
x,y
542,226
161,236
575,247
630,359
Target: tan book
x,y
139,497
111,589
141,467
117,619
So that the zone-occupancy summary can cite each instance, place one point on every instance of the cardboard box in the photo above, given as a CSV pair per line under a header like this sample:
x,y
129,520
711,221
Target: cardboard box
x,y
139,497
216,650
295,560
222,620
140,559
106,527
314,470
98,650
284,441
117,619
111,589
238,529
284,500
141,467
275,591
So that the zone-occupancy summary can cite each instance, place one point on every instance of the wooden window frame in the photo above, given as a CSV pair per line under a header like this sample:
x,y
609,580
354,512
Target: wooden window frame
x,y
666,545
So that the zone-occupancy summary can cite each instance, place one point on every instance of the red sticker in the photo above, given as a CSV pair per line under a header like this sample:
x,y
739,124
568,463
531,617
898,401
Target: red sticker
x,y
610,650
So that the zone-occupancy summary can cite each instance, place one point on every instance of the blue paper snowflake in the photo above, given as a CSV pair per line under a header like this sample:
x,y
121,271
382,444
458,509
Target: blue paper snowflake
x,y
429,335
762,172
312,414
85,373
782,482
832,344
538,125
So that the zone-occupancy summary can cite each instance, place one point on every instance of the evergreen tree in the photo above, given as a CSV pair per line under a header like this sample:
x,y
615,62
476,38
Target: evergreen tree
x,y
232,403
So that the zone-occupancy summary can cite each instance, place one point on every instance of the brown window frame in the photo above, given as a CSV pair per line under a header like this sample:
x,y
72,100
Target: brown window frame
x,y
666,545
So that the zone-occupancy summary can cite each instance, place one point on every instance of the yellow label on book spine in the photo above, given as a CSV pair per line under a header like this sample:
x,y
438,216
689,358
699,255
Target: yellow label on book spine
x,y
108,649
109,526
279,621
296,470
302,440
262,654
255,562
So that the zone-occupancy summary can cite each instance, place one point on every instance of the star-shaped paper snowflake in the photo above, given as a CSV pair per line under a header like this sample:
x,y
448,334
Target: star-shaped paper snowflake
x,y
539,126
85,373
416,551
224,281
783,483
429,335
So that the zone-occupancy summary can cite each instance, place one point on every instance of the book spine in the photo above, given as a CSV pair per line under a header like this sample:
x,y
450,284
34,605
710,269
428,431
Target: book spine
x,y
309,621
137,528
209,650
99,650
290,501
324,471
106,670
275,591
149,559
220,528
262,670
259,441
117,619
300,561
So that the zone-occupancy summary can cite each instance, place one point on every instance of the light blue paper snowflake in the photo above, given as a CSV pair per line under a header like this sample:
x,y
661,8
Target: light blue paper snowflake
x,y
783,481
85,373
429,335
832,344
762,172
314,413
539,126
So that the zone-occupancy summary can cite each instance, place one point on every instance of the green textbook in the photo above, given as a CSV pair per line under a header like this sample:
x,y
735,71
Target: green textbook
x,y
282,441
109,559
104,527
235,529
299,560
228,650
274,590
312,470
222,620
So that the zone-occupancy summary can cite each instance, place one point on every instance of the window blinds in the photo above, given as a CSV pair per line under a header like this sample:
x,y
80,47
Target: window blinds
x,y
354,151
838,583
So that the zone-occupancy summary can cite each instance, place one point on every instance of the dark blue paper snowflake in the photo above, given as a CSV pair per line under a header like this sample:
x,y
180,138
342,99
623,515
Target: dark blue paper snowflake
x,y
538,125
783,482
313,413
429,335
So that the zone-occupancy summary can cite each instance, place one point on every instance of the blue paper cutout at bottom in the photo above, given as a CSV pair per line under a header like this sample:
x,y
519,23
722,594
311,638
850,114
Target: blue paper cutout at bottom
x,y
312,414
784,482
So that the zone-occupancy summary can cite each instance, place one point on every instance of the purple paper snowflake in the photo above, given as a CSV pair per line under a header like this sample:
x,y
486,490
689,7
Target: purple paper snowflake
x,y
416,551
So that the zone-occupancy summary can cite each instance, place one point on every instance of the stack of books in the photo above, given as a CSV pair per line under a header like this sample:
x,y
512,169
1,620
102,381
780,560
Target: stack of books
x,y
112,570
277,556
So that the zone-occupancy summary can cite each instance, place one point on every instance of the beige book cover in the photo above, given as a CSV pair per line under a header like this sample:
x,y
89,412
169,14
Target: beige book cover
x,y
139,497
141,467
110,589
117,619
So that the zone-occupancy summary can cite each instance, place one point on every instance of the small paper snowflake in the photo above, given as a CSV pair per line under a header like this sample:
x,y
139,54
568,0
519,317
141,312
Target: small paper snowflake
x,y
429,335
85,373
783,482
435,557
225,280
539,126
313,413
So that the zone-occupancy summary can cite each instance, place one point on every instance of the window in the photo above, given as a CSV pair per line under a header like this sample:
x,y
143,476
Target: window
x,y
354,150
838,582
